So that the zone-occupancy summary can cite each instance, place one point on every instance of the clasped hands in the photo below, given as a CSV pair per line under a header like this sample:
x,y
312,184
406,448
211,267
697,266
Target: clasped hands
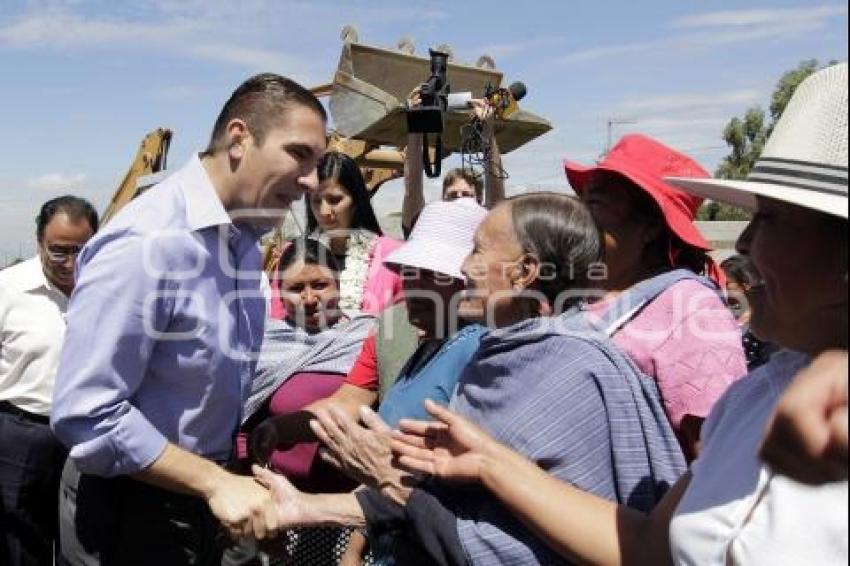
x,y
260,507
449,448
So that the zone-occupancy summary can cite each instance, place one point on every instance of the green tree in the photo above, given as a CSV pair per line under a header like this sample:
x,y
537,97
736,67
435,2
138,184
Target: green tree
x,y
746,138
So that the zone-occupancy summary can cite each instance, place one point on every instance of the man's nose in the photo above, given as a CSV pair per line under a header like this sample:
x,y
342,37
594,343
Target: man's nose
x,y
310,181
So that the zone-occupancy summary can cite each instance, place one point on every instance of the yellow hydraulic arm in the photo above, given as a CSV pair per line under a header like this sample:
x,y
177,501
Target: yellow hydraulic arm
x,y
151,158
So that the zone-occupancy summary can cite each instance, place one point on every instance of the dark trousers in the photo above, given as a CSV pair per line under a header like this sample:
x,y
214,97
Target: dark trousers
x,y
30,463
124,522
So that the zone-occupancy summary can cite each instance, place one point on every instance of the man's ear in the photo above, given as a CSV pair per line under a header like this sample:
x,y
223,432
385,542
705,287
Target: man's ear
x,y
237,138
526,272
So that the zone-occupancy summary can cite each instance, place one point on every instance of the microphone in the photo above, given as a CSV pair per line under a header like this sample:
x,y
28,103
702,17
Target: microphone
x,y
518,90
504,100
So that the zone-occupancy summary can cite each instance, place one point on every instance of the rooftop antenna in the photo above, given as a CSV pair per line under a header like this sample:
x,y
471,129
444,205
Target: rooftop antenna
x,y
615,122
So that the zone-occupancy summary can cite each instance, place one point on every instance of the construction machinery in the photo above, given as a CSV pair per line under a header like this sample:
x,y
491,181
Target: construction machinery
x,y
366,99
151,158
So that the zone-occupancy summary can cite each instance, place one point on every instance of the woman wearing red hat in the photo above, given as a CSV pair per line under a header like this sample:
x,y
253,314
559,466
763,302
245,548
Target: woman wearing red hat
x,y
731,507
685,338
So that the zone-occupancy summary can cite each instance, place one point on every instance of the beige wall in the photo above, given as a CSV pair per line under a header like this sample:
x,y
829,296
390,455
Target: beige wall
x,y
722,236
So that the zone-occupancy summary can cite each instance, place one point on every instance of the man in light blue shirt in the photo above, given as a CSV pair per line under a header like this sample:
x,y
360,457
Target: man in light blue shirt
x,y
163,330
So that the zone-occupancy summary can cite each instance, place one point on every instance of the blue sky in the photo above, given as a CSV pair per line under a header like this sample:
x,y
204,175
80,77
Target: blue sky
x,y
84,80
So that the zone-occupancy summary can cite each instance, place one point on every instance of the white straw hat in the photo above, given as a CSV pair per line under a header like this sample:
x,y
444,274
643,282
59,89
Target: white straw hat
x,y
805,160
441,238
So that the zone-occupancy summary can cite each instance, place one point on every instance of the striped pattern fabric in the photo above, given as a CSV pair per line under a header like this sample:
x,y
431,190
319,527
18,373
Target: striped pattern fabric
x,y
288,350
831,179
565,397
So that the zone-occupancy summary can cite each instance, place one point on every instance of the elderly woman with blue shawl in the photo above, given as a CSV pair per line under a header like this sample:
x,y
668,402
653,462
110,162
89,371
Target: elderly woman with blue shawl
x,y
545,382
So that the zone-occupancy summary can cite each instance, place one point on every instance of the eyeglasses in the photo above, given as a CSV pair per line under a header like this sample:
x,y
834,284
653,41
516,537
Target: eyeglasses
x,y
61,254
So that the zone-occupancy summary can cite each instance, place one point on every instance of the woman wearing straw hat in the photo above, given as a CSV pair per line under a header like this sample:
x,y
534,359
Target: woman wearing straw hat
x,y
685,338
730,508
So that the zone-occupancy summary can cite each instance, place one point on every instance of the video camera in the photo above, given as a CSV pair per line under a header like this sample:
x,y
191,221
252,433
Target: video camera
x,y
427,118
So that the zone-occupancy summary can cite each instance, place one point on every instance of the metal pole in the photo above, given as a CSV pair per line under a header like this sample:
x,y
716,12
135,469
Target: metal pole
x,y
611,122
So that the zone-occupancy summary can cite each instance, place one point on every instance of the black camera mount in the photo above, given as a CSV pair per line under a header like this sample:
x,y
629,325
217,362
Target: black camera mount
x,y
427,118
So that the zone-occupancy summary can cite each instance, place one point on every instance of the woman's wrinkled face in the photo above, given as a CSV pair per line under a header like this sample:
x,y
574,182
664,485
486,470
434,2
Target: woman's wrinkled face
x,y
332,206
490,271
613,205
802,258
310,294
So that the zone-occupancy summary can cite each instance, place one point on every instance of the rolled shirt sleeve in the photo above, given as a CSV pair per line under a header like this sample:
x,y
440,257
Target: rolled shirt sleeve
x,y
117,307
164,330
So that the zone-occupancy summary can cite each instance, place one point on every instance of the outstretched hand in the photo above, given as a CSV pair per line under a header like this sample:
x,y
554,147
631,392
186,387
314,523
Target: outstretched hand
x,y
361,452
449,448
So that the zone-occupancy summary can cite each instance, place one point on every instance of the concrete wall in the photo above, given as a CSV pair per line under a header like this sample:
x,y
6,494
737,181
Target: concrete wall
x,y
722,235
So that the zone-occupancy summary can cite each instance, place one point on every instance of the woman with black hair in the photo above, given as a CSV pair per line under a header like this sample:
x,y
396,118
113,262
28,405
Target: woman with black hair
x,y
340,215
685,338
304,358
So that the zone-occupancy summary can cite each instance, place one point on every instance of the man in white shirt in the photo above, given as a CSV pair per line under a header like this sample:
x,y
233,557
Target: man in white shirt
x,y
33,300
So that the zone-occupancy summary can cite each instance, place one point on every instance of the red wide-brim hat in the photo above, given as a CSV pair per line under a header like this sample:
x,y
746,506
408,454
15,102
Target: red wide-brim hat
x,y
646,162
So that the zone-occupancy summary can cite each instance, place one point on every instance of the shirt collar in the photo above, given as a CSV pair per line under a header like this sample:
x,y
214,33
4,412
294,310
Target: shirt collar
x,y
31,275
203,205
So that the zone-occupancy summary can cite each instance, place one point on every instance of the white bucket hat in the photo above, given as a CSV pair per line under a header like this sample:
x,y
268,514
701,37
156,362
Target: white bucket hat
x,y
805,160
441,238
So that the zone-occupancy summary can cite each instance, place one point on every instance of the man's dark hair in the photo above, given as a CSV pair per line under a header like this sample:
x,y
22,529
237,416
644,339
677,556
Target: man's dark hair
x,y
472,178
740,268
75,207
260,102
559,231
311,252
340,168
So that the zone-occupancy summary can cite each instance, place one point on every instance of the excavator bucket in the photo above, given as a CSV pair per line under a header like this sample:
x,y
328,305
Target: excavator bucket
x,y
371,85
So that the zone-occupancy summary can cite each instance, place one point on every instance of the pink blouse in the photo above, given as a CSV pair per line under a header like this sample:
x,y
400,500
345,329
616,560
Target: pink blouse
x,y
688,340
383,286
